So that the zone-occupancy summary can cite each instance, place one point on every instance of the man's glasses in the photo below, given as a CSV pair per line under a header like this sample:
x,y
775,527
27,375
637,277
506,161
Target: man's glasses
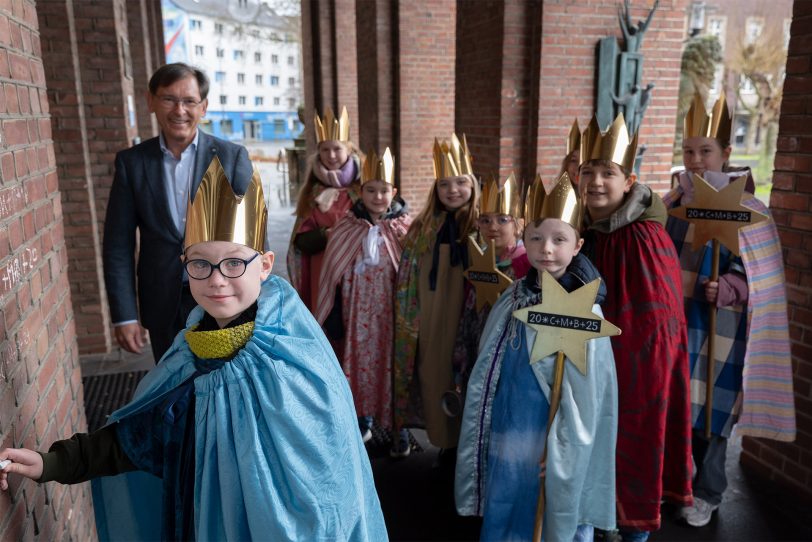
x,y
171,102
501,220
231,268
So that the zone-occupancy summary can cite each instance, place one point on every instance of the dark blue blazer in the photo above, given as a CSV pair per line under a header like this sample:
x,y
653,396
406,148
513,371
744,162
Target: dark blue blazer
x,y
138,201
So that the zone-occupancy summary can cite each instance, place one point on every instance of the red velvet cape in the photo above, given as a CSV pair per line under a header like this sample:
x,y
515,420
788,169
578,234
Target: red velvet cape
x,y
642,274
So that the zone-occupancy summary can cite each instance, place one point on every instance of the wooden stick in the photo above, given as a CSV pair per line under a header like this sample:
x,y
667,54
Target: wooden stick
x,y
711,344
555,401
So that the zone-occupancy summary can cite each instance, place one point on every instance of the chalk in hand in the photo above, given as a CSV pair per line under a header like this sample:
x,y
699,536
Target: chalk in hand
x,y
4,463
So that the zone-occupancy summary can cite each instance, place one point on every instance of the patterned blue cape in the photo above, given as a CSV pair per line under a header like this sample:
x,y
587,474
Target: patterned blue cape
x,y
278,455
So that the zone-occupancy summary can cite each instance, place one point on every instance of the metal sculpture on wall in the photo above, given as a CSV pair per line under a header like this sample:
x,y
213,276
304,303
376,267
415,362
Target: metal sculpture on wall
x,y
619,86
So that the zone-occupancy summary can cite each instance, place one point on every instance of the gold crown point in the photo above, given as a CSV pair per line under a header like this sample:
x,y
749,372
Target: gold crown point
x,y
716,124
560,202
614,145
377,168
574,138
502,198
328,128
218,214
451,159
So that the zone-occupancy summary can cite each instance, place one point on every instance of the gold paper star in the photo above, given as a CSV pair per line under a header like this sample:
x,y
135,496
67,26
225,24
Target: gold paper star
x,y
718,214
488,281
564,321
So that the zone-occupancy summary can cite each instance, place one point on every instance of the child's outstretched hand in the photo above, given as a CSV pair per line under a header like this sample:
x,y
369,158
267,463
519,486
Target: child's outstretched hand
x,y
711,291
24,462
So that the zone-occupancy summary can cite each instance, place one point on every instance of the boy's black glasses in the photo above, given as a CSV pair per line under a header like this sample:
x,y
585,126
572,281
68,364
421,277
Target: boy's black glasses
x,y
230,267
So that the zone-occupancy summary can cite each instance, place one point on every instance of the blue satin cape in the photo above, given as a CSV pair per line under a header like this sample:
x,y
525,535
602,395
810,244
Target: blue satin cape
x,y
277,450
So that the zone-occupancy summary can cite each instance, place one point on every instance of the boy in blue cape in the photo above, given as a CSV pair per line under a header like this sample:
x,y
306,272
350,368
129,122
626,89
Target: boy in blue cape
x,y
248,419
504,423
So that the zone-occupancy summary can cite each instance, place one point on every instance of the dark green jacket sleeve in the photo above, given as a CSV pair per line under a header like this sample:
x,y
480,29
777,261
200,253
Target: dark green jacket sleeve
x,y
85,456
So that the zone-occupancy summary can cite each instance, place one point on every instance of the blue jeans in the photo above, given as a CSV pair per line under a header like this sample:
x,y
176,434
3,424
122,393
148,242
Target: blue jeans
x,y
709,455
634,536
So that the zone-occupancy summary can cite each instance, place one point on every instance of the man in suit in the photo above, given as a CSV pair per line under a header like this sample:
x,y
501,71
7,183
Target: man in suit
x,y
151,188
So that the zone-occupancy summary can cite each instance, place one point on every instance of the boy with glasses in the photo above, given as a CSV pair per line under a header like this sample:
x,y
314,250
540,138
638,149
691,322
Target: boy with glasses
x,y
248,420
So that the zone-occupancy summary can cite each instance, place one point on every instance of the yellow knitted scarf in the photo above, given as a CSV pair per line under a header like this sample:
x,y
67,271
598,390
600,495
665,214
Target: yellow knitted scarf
x,y
219,343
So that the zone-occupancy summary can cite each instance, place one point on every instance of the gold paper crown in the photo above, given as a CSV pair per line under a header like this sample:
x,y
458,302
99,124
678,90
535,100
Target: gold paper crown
x,y
503,198
452,159
332,129
218,214
379,169
614,145
698,123
562,202
574,139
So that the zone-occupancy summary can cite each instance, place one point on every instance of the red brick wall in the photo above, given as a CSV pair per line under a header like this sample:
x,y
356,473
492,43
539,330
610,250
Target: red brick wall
x,y
40,382
790,465
376,77
570,32
347,64
478,104
497,81
426,59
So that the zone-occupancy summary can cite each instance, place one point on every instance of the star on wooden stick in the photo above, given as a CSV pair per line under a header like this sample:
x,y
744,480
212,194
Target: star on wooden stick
x,y
564,321
718,214
488,281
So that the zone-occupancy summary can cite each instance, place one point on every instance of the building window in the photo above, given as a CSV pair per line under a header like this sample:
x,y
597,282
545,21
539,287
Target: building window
x,y
218,28
291,81
223,99
221,52
226,127
258,79
292,102
239,54
242,3
257,57
274,59
279,126
753,28
240,78
276,101
198,50
241,100
291,60
274,80
219,77
716,27
258,100
717,81
195,24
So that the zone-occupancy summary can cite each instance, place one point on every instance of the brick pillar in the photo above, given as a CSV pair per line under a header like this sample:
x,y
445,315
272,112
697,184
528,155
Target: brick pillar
x,y
40,380
346,68
155,29
105,77
143,64
426,62
498,112
310,73
789,465
570,32
61,59
376,38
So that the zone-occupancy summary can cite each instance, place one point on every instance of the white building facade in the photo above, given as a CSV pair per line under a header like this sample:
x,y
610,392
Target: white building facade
x,y
252,57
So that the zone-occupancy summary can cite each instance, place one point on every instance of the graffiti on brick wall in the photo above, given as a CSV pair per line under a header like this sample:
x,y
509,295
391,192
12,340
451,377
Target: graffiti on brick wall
x,y
10,201
11,352
18,267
